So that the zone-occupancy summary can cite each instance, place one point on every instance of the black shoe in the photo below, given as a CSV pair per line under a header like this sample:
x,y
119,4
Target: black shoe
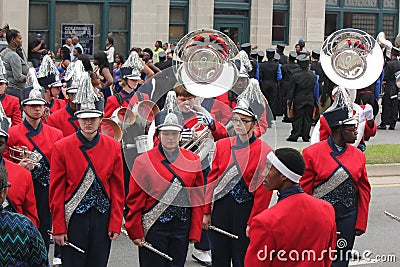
x,y
391,128
291,139
306,139
381,127
287,120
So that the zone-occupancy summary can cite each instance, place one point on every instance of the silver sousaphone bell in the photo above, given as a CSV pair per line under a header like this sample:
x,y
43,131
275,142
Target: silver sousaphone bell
x,y
205,63
351,58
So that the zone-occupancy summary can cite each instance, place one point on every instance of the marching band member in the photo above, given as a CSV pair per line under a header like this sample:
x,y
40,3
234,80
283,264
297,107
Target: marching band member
x,y
64,119
48,78
233,182
336,172
165,196
21,197
87,200
38,138
10,103
195,119
298,222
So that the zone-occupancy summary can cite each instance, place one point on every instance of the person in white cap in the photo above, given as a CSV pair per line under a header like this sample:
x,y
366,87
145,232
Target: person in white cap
x,y
298,223
86,200
166,195
38,138
234,195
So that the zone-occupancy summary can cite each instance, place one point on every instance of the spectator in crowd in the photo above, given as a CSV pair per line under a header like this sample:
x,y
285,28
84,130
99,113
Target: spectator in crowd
x,y
76,44
76,52
64,63
109,50
157,49
103,74
68,44
15,65
304,50
119,61
36,47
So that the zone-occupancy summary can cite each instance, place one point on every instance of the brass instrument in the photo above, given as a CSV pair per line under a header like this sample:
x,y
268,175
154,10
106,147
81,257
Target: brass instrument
x,y
145,111
22,152
205,62
111,128
124,117
384,43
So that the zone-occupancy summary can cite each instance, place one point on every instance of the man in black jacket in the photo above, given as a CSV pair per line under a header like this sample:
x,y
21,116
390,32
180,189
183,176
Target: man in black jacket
x,y
285,85
303,88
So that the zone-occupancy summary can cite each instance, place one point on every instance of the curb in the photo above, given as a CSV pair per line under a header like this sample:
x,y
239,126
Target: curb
x,y
383,170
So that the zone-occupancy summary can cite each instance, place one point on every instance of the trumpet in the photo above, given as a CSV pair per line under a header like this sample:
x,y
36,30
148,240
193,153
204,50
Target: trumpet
x,y
22,152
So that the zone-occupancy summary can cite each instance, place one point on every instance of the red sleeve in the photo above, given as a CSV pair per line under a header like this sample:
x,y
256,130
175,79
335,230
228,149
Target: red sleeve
x,y
197,196
136,201
219,132
324,130
221,111
364,189
16,114
58,183
262,242
332,241
112,104
117,192
262,198
307,180
370,131
29,204
211,179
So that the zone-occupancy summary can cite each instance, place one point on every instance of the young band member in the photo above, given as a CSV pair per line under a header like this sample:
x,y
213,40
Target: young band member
x,y
233,182
48,78
196,119
86,200
165,196
298,222
21,197
336,172
10,103
64,119
38,138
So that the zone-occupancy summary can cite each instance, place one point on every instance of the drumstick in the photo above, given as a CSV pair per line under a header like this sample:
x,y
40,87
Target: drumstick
x,y
216,229
69,244
162,254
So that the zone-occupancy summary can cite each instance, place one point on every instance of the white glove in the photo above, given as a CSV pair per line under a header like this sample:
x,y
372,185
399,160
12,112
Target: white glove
x,y
186,135
204,119
368,112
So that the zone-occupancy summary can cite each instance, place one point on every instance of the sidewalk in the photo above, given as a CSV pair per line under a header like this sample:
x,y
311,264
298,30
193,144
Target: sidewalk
x,y
383,170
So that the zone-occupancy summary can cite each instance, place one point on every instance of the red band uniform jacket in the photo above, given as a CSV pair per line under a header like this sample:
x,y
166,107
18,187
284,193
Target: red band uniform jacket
x,y
11,108
295,225
64,120
68,168
251,161
321,162
151,177
21,193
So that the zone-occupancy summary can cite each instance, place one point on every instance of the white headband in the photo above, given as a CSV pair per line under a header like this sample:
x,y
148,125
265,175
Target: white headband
x,y
282,168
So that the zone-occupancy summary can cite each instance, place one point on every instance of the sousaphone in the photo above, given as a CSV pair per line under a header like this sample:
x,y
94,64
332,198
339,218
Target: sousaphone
x,y
205,62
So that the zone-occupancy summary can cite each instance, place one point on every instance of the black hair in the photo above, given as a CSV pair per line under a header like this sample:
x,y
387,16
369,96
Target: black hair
x,y
110,40
121,57
101,58
292,159
64,52
148,50
10,33
3,177
79,50
159,43
86,62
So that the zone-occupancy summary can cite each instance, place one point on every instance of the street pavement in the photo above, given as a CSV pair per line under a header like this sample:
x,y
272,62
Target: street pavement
x,y
381,238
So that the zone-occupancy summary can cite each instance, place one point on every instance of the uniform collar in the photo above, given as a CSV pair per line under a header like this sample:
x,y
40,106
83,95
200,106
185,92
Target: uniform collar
x,y
2,97
128,95
171,158
289,191
86,143
31,129
239,142
70,111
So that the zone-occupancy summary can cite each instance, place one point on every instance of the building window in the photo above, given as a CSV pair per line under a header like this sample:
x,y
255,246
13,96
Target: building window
x,y
118,28
177,23
38,24
371,16
178,19
280,22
